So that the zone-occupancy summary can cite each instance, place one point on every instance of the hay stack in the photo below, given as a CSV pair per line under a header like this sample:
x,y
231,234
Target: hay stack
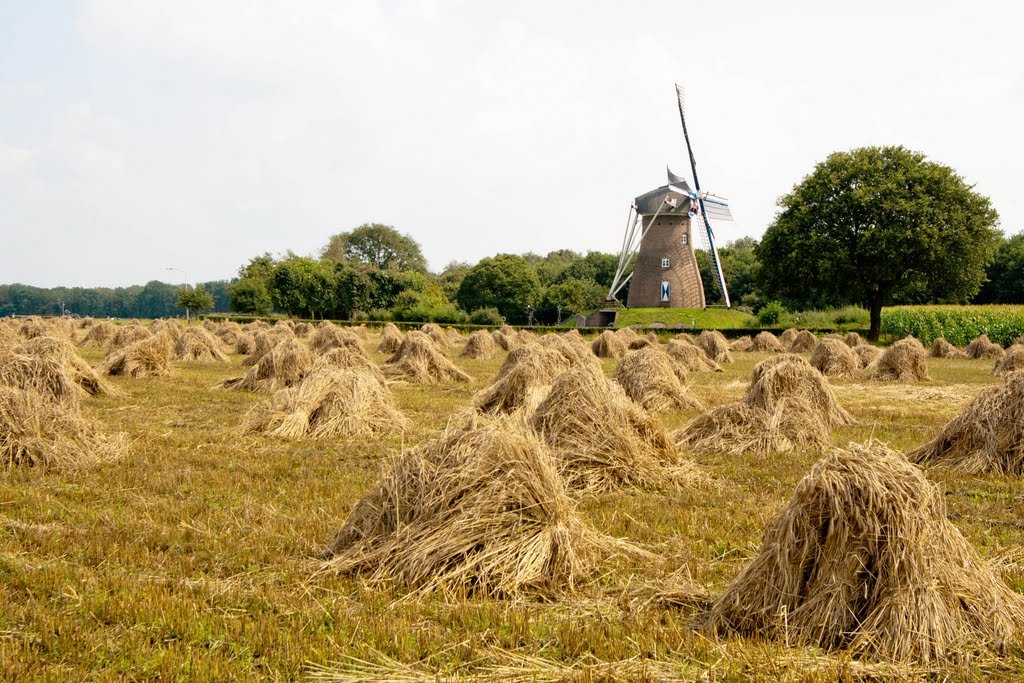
x,y
523,380
481,508
982,347
129,334
650,340
833,358
148,357
690,356
347,358
685,339
853,340
418,360
788,406
328,402
904,361
608,345
198,345
99,334
256,326
390,339
603,440
526,337
867,355
943,349
863,558
85,322
573,353
788,337
715,346
49,367
37,432
480,345
304,329
987,436
505,341
170,327
32,327
626,335
267,340
803,342
327,337
766,342
245,344
743,344
454,337
573,336
283,366
436,334
1012,361
651,379
228,333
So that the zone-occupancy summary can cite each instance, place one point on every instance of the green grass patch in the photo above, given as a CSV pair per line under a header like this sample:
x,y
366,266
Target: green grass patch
x,y
709,318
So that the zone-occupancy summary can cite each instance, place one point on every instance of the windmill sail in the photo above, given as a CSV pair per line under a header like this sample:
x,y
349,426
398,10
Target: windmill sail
x,y
704,202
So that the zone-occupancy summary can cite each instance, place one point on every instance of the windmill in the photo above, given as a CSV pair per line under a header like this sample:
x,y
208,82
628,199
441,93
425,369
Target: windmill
x,y
658,244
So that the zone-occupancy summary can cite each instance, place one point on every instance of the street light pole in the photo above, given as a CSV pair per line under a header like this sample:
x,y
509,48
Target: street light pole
x,y
186,287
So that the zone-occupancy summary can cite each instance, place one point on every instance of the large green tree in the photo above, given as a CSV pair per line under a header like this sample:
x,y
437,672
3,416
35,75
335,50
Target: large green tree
x,y
505,282
377,245
196,299
869,225
739,265
300,285
1005,276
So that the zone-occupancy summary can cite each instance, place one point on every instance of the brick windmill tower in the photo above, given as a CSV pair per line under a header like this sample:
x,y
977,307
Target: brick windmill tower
x,y
659,242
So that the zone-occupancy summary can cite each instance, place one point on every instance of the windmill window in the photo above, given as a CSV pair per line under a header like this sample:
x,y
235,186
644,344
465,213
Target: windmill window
x,y
686,238
665,262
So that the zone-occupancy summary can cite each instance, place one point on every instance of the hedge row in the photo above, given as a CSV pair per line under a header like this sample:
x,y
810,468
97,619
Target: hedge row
x,y
958,324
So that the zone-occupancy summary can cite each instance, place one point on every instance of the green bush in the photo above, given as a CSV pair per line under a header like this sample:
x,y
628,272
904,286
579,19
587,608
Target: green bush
x,y
485,316
771,313
958,324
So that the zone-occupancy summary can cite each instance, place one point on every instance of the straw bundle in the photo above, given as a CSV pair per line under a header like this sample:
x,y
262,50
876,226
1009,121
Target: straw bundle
x,y
267,340
788,406
987,436
742,344
867,355
626,335
1012,361
685,339
523,380
574,353
863,558
37,432
304,329
481,508
766,342
85,322
328,402
651,379
33,327
172,328
284,365
526,337
603,440
788,337
505,341
454,337
327,337
854,340
943,349
390,339
256,326
418,360
573,336
148,357
690,356
56,373
129,334
436,334
803,342
347,358
715,346
245,344
833,358
228,333
99,334
480,345
198,345
608,345
904,361
982,347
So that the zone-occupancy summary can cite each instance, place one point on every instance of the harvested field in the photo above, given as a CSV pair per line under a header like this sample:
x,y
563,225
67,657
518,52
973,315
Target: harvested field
x,y
418,360
196,344
148,357
284,365
654,381
192,555
523,381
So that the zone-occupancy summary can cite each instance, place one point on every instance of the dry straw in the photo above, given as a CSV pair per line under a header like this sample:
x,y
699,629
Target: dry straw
x,y
766,342
654,381
283,366
480,509
38,432
983,347
390,339
129,334
833,358
267,340
608,345
173,329
507,342
328,402
988,436
690,356
943,349
348,358
418,360
904,361
867,355
578,352
863,558
148,357
743,344
480,346
523,380
437,335
715,346
304,329
788,406
198,345
788,337
245,343
50,367
328,336
99,334
1011,361
803,342
853,340
603,440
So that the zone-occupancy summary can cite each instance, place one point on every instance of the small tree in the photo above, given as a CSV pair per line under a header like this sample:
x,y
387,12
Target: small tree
x,y
197,299
505,282
874,224
250,295
374,244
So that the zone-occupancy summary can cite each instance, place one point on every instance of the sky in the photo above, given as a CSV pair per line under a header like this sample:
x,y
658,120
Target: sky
x,y
139,136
